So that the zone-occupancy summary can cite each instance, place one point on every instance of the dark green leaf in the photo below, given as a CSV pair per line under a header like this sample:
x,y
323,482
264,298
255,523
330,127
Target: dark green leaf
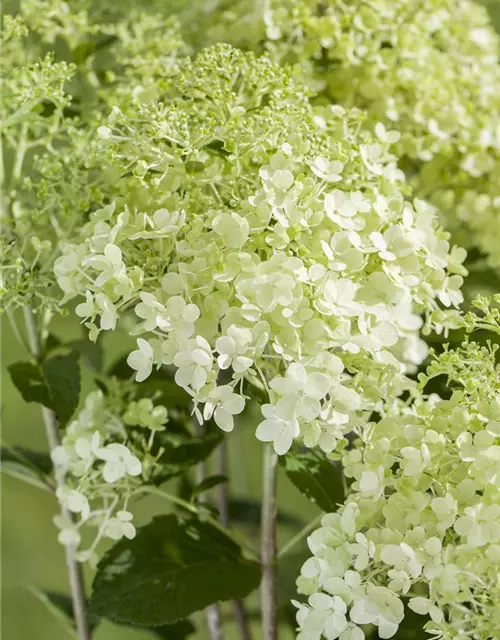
x,y
120,369
209,483
181,451
90,351
160,383
62,376
315,477
101,385
26,474
176,631
56,384
166,392
174,567
29,466
412,626
52,343
61,607
29,381
247,511
37,459
185,487
210,507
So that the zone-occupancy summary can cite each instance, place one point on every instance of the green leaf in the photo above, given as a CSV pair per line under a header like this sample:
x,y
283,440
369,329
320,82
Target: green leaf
x,y
90,351
38,459
176,631
51,343
56,384
29,466
182,450
161,383
62,376
30,383
316,478
208,483
61,607
248,511
174,567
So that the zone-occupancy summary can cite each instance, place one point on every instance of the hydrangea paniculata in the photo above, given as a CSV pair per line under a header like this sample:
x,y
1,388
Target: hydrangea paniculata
x,y
104,464
429,69
259,240
421,525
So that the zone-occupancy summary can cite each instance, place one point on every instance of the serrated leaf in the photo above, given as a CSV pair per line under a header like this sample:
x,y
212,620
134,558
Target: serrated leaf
x,y
55,384
29,466
208,483
29,381
174,567
316,478
62,376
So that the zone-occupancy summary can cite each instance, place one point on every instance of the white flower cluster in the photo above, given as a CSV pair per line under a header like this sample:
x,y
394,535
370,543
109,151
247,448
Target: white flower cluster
x,y
102,469
262,241
422,523
429,68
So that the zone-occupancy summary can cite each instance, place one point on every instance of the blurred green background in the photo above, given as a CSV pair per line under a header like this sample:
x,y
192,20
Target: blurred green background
x,y
32,557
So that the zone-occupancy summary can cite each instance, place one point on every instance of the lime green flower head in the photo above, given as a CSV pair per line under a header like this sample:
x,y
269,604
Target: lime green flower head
x,y
421,525
260,242
428,69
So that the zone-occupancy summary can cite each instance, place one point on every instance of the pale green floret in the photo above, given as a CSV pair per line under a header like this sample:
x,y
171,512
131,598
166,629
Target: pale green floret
x,y
421,525
252,233
427,68
50,110
107,453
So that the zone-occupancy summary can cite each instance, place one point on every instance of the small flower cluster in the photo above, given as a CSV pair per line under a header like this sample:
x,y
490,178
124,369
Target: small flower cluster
x,y
50,111
258,239
421,526
427,68
103,466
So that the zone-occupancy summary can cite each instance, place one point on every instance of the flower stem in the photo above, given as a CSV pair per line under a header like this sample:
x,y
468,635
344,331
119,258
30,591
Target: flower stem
x,y
300,535
213,616
74,569
268,545
240,613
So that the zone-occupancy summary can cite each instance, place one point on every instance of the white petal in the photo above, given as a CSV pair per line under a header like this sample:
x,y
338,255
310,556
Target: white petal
x,y
283,443
183,376
297,372
269,430
386,629
224,419
318,385
234,404
134,466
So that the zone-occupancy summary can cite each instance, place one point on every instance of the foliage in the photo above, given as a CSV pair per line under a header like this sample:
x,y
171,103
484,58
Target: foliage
x,y
185,562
